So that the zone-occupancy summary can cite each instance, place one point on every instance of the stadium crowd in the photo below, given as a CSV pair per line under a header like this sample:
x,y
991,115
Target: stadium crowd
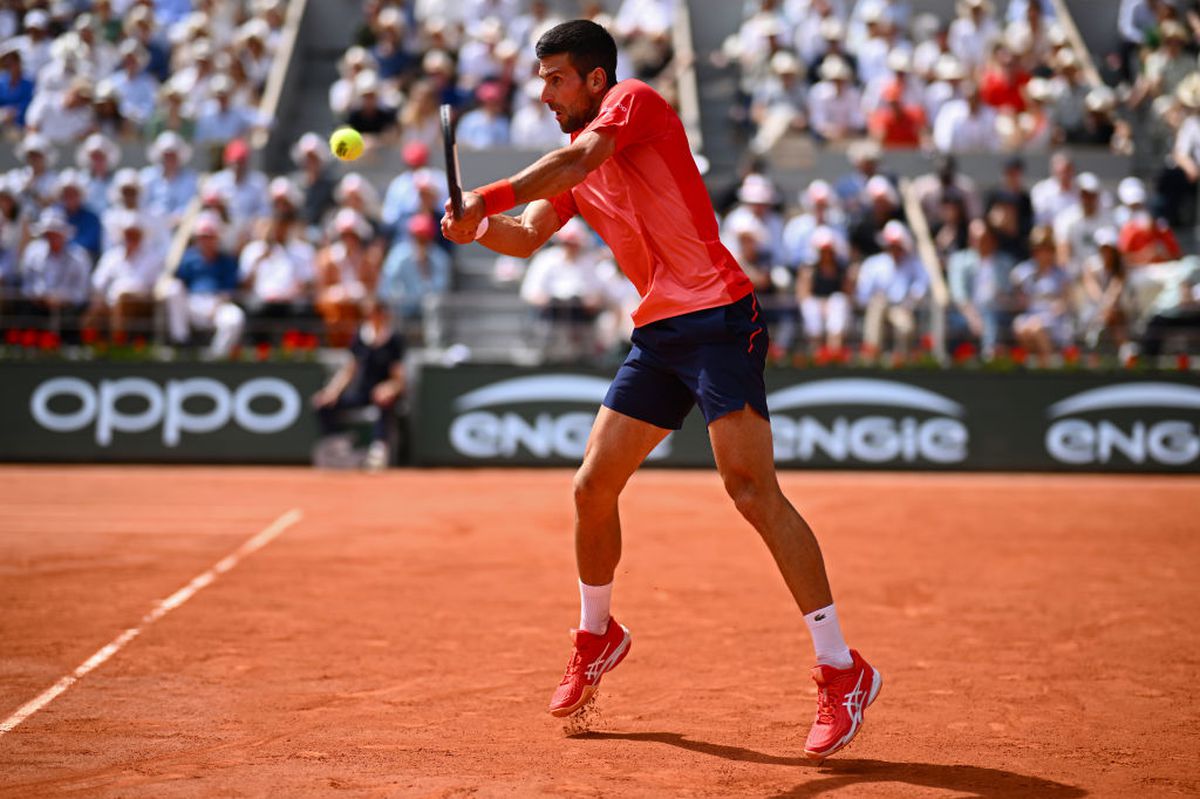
x,y
86,250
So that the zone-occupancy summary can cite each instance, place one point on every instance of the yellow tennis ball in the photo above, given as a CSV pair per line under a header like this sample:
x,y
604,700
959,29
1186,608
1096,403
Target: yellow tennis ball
x,y
346,144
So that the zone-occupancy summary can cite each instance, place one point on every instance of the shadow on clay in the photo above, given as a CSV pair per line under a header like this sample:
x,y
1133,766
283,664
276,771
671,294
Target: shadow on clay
x,y
838,773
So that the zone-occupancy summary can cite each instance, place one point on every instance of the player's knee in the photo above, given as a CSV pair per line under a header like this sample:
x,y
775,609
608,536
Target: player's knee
x,y
593,490
751,495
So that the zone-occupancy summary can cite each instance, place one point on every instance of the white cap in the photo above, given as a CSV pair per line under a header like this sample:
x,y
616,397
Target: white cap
x,y
756,189
1088,182
895,232
1131,191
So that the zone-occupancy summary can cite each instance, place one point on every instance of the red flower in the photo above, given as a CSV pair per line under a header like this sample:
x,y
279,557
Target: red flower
x,y
119,337
262,351
139,343
1131,361
1183,361
1018,355
12,336
964,352
29,338
926,342
1071,354
291,338
823,356
48,340
89,335
311,341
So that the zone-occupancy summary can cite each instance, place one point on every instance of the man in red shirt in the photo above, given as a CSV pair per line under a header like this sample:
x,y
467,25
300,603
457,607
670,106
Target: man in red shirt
x,y
700,339
896,125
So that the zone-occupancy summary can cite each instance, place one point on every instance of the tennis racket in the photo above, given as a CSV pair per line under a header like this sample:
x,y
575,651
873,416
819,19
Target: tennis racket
x,y
453,177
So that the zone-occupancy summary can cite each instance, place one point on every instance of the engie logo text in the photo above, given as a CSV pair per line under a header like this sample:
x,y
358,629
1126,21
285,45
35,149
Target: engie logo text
x,y
911,425
1135,422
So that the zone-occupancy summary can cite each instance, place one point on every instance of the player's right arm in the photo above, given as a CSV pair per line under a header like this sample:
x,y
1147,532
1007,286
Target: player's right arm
x,y
519,236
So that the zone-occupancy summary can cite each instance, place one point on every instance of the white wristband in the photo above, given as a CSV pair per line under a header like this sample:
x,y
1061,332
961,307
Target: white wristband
x,y
483,228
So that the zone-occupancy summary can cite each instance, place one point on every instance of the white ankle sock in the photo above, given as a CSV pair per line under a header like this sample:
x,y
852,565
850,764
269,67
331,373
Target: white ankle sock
x,y
594,602
827,638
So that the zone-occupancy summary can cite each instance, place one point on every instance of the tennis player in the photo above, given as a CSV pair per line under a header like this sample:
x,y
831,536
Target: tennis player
x,y
699,340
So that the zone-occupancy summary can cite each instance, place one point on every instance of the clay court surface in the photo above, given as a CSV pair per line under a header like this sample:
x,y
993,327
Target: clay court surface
x,y
1037,636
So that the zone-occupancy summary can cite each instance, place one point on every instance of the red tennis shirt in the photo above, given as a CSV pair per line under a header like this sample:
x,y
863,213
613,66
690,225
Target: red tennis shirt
x,y
649,204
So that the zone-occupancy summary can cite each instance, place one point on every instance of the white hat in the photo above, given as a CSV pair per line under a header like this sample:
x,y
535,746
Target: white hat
x,y
817,191
169,142
71,178
748,225
54,220
283,188
785,63
1101,99
756,189
822,237
832,29
574,232
354,183
36,143
948,68
1087,181
899,60
37,18
1106,237
879,186
208,223
128,220
308,144
127,177
347,220
1131,191
895,232
367,82
97,143
835,68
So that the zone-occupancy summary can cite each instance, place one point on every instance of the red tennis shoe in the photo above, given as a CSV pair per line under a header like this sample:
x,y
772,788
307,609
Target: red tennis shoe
x,y
842,696
593,656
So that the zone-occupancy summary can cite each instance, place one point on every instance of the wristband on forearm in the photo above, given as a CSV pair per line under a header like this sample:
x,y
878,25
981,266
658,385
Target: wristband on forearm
x,y
497,197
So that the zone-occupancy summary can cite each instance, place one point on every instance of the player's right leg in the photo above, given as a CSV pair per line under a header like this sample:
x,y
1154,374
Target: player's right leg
x,y
616,448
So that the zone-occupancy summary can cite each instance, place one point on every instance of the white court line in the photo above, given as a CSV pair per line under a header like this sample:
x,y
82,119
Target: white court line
x,y
165,606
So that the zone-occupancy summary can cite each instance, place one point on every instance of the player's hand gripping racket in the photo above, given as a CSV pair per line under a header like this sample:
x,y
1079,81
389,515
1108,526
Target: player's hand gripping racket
x,y
452,173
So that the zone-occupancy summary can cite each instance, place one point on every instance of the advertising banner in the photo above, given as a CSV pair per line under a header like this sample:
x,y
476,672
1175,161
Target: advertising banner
x,y
834,419
181,412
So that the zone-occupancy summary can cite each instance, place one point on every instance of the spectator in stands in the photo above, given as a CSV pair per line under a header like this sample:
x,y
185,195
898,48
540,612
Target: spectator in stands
x,y
1071,96
253,53
139,25
54,272
1178,185
1144,239
565,286
34,43
370,114
757,200
891,284
477,59
106,111
102,57
13,235
981,287
485,127
933,45
895,124
898,75
123,283
128,194
373,376
1056,193
170,114
749,242
1106,306
1137,20
882,52
36,180
419,121
820,210
347,273
246,188
342,93
277,270
946,178
1101,126
169,185
831,47
355,192
135,87
1003,81
948,225
286,201
98,157
533,123
868,223
835,104
1075,228
16,90
778,103
966,125
200,297
88,232
642,29
438,67
312,176
415,269
869,14
1044,325
851,188
404,196
220,121
823,288
196,77
63,118
973,32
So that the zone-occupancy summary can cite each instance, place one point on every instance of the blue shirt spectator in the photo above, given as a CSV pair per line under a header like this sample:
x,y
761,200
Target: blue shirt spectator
x,y
203,276
415,269
89,232
16,90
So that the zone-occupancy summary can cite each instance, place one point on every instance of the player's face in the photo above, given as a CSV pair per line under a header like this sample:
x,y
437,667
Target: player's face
x,y
574,99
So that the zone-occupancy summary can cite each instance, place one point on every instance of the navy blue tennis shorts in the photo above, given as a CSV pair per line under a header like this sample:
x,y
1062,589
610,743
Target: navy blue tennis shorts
x,y
712,358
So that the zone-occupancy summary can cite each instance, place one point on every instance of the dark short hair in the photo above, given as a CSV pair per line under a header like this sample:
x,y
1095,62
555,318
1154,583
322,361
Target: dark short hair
x,y
589,45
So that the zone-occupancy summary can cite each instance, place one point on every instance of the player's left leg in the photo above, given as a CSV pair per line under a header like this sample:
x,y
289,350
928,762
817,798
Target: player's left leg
x,y
743,449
